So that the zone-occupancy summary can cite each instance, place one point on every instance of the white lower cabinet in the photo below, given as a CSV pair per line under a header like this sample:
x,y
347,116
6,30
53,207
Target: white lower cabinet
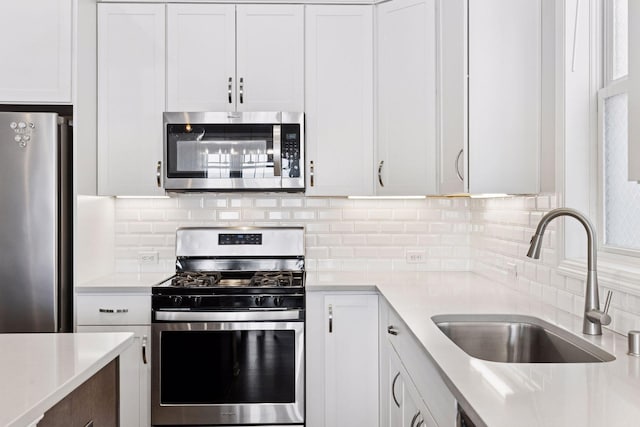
x,y
342,359
406,408
413,394
135,362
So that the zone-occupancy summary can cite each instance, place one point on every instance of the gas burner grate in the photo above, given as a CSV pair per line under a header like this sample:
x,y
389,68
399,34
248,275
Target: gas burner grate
x,y
272,279
197,279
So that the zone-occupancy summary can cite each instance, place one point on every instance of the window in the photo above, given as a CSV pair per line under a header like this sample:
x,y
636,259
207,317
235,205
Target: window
x,y
619,198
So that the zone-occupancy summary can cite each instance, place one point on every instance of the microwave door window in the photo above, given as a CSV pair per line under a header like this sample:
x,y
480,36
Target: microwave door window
x,y
247,159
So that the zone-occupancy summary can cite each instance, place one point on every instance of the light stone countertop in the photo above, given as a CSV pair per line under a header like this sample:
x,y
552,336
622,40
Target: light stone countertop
x,y
138,283
502,394
39,370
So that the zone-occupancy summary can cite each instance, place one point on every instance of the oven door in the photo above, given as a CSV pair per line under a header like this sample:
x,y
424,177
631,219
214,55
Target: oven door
x,y
227,372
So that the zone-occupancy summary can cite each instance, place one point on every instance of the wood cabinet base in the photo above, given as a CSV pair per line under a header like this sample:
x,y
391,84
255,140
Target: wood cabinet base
x,y
93,404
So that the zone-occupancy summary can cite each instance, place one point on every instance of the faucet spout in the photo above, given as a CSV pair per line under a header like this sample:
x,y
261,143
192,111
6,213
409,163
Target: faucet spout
x,y
594,318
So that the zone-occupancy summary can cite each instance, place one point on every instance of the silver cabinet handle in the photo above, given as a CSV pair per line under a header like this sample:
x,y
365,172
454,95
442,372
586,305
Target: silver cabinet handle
x,y
89,424
457,165
393,389
230,89
159,174
113,310
415,417
144,349
391,330
380,173
330,318
311,174
241,90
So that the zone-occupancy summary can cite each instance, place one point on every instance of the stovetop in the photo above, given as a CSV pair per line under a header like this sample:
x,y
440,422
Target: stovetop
x,y
232,282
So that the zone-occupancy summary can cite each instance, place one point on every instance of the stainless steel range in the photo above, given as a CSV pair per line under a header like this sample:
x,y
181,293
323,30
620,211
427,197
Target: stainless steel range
x,y
228,329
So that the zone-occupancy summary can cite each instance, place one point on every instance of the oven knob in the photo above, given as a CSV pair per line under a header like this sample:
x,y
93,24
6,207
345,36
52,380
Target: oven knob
x,y
196,301
258,301
277,301
177,300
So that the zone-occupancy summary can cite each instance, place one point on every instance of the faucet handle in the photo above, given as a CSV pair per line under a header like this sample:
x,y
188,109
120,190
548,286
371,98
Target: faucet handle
x,y
601,316
607,301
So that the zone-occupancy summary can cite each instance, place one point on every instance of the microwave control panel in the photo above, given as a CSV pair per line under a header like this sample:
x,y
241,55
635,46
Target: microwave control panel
x,y
291,149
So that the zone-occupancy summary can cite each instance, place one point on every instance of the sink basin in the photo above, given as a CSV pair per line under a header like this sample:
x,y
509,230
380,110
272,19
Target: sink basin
x,y
517,339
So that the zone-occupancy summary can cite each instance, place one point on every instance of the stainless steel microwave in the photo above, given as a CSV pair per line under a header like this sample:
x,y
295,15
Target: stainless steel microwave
x,y
251,151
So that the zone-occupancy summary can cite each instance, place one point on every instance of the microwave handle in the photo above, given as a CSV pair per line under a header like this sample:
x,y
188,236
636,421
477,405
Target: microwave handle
x,y
277,156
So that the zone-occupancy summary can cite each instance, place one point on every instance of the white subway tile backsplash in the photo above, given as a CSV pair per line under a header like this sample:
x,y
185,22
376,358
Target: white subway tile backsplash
x,y
228,215
140,227
291,202
266,203
304,215
341,234
279,215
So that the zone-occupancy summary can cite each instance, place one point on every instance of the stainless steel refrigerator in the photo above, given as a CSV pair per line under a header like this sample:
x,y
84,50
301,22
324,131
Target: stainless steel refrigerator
x,y
35,222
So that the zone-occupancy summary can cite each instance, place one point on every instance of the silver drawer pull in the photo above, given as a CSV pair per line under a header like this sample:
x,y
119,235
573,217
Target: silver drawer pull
x,y
393,389
113,310
380,173
457,165
144,349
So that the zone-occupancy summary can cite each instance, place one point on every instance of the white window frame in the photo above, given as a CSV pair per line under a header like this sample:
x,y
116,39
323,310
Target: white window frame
x,y
618,268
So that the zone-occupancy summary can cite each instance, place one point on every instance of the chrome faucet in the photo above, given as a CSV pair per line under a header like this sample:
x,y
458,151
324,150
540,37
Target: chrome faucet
x,y
594,318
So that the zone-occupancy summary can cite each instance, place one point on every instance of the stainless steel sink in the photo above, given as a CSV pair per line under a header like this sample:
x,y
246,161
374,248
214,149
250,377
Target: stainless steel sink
x,y
517,339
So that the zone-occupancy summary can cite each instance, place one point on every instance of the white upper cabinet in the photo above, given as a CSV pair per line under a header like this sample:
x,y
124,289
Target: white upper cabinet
x,y
270,55
505,96
407,104
453,95
339,100
634,90
223,57
36,51
201,57
131,93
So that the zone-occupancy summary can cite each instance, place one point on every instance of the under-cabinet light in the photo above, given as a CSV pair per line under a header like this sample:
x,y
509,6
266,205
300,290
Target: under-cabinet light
x,y
385,197
143,197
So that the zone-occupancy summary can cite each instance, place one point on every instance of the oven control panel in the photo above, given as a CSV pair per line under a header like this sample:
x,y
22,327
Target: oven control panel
x,y
240,239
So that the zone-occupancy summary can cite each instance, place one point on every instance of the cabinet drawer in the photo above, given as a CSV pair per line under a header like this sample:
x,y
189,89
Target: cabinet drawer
x,y
422,372
113,310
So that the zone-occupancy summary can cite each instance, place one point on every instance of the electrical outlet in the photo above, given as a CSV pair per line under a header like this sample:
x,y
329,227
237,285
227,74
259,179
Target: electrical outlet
x,y
148,257
416,257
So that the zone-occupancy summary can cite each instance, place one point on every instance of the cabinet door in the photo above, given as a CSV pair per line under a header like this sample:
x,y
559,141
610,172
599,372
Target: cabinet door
x,y
269,55
342,360
394,395
201,57
135,375
339,100
36,51
634,91
504,96
351,360
406,154
453,95
131,88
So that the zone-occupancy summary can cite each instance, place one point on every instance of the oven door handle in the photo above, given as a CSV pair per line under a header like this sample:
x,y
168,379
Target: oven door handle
x,y
226,316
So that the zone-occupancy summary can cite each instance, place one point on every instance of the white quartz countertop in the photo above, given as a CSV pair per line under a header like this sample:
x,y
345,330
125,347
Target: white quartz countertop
x,y
39,370
506,394
123,282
